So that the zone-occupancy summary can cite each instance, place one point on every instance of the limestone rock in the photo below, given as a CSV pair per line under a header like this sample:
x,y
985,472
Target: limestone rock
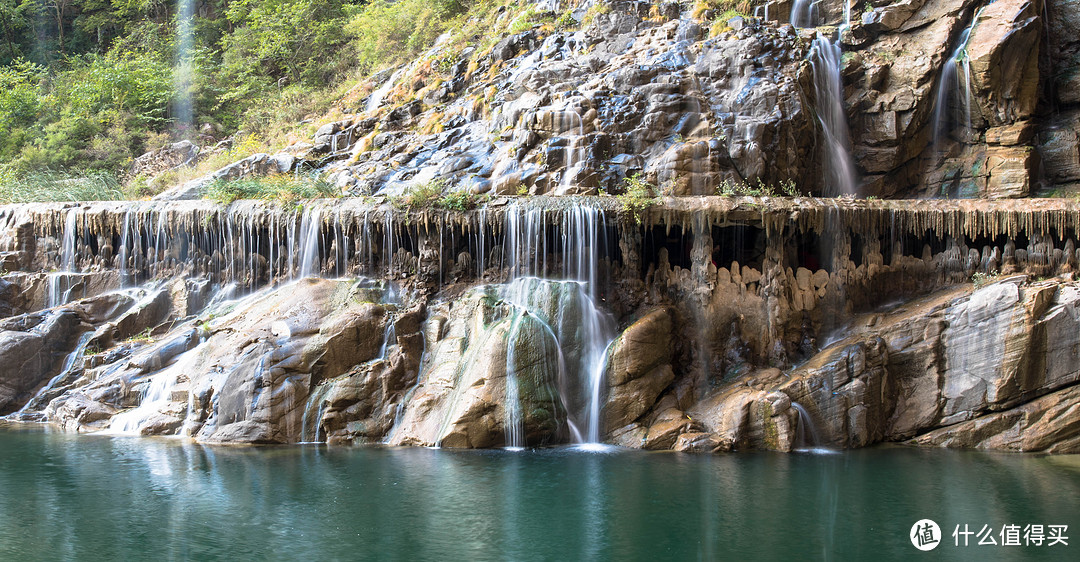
x,y
28,357
169,157
1049,424
639,368
1004,53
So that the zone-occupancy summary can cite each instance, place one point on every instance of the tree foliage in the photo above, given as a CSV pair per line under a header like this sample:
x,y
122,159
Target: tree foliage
x,y
90,84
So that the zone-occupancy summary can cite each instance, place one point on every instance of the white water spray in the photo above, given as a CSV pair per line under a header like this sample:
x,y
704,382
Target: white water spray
x,y
183,79
840,176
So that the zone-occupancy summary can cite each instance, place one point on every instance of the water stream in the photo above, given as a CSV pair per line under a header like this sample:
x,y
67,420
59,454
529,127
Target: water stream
x,y
61,282
840,175
570,309
952,106
807,437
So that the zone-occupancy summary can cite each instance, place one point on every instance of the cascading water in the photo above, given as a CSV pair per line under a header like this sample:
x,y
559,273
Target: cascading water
x,y
807,438
156,396
803,13
123,253
840,176
574,153
515,426
313,414
59,288
389,337
69,368
563,315
380,93
183,110
576,319
954,87
310,228
807,13
377,96
547,252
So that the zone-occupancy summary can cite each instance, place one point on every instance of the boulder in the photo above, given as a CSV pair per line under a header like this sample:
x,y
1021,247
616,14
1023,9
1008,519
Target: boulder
x,y
639,368
168,157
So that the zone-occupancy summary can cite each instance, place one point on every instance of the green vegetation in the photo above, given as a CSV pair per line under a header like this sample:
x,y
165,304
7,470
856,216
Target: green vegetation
x,y
86,85
980,279
729,188
393,32
146,336
39,186
430,195
283,188
637,196
419,196
719,12
593,11
460,200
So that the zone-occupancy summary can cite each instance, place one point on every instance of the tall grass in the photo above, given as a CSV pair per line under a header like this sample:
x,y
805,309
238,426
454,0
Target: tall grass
x,y
283,188
49,185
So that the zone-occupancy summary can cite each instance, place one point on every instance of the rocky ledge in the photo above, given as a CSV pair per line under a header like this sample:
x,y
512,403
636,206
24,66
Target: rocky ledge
x,y
711,324
958,98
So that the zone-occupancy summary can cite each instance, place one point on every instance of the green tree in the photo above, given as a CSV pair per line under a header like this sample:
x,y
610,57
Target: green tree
x,y
20,88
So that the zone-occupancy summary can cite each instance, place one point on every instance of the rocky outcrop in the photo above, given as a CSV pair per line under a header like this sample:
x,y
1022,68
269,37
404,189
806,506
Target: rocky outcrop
x,y
639,368
991,369
957,98
256,165
713,324
1050,424
242,376
31,348
577,112
166,158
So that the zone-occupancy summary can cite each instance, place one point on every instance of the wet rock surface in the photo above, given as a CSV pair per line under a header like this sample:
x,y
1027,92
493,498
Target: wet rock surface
x,y
952,98
694,322
715,324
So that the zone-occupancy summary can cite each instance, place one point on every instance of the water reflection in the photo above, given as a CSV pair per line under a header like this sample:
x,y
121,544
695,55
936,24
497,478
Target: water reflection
x,y
66,496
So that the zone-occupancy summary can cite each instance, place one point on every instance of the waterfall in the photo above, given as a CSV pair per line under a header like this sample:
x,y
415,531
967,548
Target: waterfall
x,y
41,398
803,13
840,177
157,394
122,252
379,94
183,109
389,337
59,288
560,313
807,438
313,414
574,153
310,230
590,329
955,82
515,426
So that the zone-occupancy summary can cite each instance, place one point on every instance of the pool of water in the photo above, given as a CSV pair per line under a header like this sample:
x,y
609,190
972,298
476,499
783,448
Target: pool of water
x,y
77,496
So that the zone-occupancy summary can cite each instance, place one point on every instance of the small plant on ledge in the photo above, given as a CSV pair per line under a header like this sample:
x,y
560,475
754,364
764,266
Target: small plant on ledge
x,y
637,196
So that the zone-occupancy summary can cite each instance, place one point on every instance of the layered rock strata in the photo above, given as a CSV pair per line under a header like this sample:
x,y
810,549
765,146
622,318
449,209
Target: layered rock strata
x,y
721,323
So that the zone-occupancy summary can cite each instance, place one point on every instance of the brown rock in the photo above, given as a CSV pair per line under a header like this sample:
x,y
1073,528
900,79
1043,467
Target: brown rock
x,y
1048,424
1004,53
639,368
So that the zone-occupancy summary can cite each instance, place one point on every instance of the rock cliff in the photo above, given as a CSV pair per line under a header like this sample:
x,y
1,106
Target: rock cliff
x,y
953,98
712,324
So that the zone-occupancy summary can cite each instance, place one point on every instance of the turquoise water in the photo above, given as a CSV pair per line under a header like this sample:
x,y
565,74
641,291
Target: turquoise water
x,y
71,496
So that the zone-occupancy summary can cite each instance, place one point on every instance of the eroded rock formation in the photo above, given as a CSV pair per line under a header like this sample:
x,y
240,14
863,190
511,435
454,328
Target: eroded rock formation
x,y
953,98
714,324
